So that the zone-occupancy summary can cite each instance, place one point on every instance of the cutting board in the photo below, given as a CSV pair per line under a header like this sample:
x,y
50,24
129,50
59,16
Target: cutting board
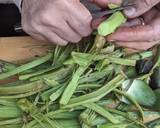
x,y
21,49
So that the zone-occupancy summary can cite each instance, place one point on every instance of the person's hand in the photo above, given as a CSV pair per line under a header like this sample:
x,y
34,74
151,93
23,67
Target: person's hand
x,y
137,33
57,21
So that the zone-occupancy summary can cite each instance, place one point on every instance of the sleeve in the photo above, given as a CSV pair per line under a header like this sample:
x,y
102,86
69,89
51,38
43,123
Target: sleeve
x,y
6,1
17,2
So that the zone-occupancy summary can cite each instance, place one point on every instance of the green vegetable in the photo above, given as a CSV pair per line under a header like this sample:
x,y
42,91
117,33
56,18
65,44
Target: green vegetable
x,y
113,126
7,103
66,115
100,110
139,91
156,105
131,100
27,76
154,124
121,61
17,96
95,95
80,58
26,66
6,66
87,117
57,94
22,88
64,123
10,112
10,121
13,126
93,77
46,95
72,86
111,24
58,75
112,6
140,56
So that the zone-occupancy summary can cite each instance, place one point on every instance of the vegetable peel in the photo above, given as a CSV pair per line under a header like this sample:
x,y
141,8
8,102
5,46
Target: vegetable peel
x,y
111,24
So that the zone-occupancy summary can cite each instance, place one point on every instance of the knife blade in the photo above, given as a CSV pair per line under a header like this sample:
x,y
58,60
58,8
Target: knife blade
x,y
102,13
97,12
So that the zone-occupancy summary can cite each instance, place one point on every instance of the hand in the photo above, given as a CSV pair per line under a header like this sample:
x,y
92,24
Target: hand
x,y
136,35
57,21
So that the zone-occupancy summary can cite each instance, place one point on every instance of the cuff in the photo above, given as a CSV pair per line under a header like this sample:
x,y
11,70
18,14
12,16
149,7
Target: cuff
x,y
18,4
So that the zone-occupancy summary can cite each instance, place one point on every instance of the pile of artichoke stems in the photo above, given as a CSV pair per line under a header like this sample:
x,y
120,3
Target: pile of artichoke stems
x,y
79,87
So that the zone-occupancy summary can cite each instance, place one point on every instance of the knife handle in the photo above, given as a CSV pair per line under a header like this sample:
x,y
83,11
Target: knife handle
x,y
18,28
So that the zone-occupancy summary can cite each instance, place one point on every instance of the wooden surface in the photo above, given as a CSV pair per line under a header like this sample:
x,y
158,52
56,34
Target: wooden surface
x,y
20,49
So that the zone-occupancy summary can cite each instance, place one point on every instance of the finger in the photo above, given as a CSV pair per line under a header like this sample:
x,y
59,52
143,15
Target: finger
x,y
150,15
63,30
54,38
137,33
80,21
158,6
38,37
67,33
35,31
104,3
141,6
137,45
35,34
96,22
133,22
130,51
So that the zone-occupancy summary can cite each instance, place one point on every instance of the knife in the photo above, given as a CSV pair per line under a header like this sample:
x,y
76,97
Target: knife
x,y
102,13
97,12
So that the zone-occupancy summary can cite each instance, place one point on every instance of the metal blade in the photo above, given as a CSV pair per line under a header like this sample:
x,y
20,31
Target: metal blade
x,y
102,13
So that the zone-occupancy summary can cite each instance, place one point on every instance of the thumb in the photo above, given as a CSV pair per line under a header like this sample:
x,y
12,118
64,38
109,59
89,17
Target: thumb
x,y
141,6
104,3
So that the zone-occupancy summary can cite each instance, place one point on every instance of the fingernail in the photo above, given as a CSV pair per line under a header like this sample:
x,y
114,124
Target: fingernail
x,y
130,11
